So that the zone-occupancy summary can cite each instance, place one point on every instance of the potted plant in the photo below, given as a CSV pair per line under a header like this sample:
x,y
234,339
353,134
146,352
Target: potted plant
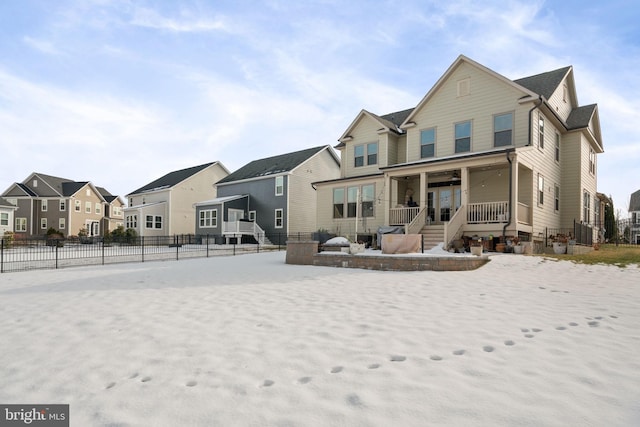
x,y
518,247
476,246
560,244
54,238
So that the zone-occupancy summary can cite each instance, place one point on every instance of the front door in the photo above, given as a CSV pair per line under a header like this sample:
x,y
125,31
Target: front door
x,y
235,215
442,203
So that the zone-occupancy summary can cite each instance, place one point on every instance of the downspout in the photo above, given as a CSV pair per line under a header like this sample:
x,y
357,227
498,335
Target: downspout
x,y
508,223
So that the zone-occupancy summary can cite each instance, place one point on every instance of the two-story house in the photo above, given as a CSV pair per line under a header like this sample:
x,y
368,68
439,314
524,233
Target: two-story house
x,y
634,217
479,155
268,196
45,201
165,206
113,211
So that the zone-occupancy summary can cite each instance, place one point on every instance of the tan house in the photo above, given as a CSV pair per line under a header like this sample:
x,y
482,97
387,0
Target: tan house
x,y
7,210
479,155
113,211
45,201
165,206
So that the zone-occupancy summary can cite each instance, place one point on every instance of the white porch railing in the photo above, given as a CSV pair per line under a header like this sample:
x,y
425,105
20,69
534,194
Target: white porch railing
x,y
402,216
453,228
417,223
482,213
237,228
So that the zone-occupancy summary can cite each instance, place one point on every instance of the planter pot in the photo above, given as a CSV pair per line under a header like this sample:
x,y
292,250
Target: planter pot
x,y
518,249
559,248
500,247
356,248
476,250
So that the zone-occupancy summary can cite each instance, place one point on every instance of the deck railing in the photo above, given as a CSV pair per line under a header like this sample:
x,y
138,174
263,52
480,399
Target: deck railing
x,y
403,215
487,212
250,228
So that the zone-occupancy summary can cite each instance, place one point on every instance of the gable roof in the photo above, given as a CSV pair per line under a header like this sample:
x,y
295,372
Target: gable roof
x,y
52,184
106,195
171,179
389,122
274,165
580,117
544,83
634,202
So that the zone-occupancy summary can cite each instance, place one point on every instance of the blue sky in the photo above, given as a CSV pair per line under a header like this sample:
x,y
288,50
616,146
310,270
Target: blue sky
x,y
121,92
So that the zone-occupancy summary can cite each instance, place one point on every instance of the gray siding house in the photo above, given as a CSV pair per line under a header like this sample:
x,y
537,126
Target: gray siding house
x,y
271,196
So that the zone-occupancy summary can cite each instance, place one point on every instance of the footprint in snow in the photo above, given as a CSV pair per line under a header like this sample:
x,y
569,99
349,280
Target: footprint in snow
x,y
397,358
509,343
146,379
336,369
267,383
110,385
191,383
304,380
373,366
488,348
459,352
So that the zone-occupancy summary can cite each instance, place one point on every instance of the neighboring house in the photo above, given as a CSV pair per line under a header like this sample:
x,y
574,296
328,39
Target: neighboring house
x,y
6,216
46,201
479,155
272,195
165,206
113,211
634,214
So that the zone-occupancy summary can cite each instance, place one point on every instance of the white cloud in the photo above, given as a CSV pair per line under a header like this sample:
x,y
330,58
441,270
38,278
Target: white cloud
x,y
44,46
187,22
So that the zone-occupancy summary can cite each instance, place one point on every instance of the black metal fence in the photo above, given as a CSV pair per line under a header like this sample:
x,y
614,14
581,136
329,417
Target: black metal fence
x,y
22,254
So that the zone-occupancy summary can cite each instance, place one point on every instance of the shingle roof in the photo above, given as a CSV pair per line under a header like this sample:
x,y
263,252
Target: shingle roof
x,y
53,188
71,188
5,203
545,83
172,178
26,189
272,165
394,120
580,116
634,202
106,194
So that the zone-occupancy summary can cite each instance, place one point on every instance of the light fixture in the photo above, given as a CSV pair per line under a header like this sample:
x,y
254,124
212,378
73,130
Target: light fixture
x,y
455,176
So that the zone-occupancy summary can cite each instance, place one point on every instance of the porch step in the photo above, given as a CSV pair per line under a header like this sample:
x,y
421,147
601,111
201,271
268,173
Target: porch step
x,y
432,235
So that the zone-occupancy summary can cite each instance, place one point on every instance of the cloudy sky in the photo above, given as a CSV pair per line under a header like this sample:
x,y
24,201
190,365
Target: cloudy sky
x,y
120,92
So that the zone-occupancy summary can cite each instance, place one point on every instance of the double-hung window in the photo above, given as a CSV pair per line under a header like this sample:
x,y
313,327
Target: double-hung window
x,y
21,224
44,205
557,147
592,161
586,207
338,202
209,218
4,218
541,132
279,185
352,201
427,143
503,130
368,195
63,205
463,137
540,190
556,199
365,154
279,216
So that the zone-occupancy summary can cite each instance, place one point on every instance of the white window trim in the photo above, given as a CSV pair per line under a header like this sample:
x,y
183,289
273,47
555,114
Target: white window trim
x,y
43,223
280,187
63,205
275,218
44,207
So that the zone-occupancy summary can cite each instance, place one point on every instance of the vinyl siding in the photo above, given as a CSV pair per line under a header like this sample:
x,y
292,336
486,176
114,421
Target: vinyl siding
x,y
488,96
562,108
364,132
302,196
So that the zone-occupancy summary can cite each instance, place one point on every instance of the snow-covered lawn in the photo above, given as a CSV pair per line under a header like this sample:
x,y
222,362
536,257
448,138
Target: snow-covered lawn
x,y
251,341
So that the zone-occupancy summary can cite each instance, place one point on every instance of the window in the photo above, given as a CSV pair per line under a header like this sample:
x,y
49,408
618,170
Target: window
x,y
596,212
152,221
358,152
35,183
209,218
63,205
98,208
158,222
368,152
43,223
372,153
279,218
117,211
21,224
279,185
540,132
338,202
368,195
252,215
149,221
427,143
540,190
586,207
77,205
352,202
131,221
87,207
463,137
592,161
62,223
556,198
45,206
502,130
557,147
88,192
4,218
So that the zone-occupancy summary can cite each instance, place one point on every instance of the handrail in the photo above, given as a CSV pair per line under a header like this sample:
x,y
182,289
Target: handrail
x,y
417,223
244,227
455,223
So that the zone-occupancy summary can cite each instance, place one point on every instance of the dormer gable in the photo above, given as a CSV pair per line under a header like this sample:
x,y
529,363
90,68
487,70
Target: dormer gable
x,y
387,123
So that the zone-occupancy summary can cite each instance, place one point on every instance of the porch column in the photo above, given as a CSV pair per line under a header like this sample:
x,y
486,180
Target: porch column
x,y
423,190
387,198
514,195
464,186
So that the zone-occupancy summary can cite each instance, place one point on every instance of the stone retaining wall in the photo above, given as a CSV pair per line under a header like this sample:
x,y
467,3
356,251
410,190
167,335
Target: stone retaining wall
x,y
306,253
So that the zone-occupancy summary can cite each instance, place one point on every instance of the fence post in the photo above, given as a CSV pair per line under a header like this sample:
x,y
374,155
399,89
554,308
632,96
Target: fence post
x,y
142,246
102,250
207,246
234,245
56,245
177,247
2,256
